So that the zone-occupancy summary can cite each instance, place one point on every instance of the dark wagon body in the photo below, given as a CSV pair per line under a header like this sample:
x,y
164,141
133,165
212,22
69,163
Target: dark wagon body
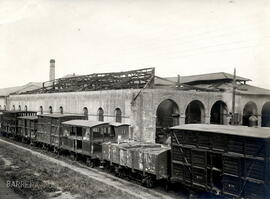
x,y
232,161
9,124
49,129
85,137
27,127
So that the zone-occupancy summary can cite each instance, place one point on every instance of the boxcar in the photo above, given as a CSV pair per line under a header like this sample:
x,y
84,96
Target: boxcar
x,y
27,127
9,123
232,161
85,137
49,129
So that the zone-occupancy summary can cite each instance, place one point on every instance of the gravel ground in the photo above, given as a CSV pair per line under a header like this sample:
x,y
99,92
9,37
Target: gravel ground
x,y
52,178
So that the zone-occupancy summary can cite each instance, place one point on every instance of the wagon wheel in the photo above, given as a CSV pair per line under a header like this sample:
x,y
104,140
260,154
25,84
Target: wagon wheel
x,y
92,163
148,182
167,185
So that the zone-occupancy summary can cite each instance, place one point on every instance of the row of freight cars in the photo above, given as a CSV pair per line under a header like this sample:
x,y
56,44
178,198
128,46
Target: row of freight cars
x,y
229,161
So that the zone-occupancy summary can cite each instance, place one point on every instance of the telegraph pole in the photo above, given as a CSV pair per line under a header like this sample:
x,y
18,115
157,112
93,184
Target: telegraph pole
x,y
233,97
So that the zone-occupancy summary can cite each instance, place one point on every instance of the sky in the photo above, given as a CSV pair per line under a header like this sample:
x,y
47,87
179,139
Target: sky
x,y
185,37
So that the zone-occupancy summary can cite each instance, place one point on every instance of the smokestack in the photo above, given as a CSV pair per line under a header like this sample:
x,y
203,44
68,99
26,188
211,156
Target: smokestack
x,y
52,70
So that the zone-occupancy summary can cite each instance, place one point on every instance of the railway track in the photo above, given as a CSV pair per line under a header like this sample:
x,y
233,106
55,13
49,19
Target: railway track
x,y
127,187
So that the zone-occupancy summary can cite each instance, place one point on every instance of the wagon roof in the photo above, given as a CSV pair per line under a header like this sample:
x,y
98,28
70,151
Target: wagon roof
x,y
30,117
59,115
85,123
17,111
227,129
118,124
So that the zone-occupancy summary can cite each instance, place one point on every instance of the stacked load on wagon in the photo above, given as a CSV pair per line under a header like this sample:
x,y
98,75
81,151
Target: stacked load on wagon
x,y
147,161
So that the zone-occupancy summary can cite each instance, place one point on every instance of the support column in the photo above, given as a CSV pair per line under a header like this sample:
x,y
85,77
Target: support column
x,y
207,118
182,118
259,117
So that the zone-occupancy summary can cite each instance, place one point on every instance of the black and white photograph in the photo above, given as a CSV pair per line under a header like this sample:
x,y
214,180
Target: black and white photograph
x,y
134,99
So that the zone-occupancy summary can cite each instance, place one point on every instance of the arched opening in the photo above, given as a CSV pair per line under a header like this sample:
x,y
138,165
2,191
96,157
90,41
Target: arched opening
x,y
85,112
167,115
41,110
20,108
61,109
195,112
13,107
118,115
5,107
219,112
0,107
25,107
50,109
100,115
266,115
249,110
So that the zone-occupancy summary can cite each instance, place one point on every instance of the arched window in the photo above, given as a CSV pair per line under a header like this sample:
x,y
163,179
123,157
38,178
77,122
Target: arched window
x,y
85,112
25,107
0,107
61,110
13,107
219,113
195,112
266,115
41,110
50,110
250,109
100,115
118,115
5,107
20,108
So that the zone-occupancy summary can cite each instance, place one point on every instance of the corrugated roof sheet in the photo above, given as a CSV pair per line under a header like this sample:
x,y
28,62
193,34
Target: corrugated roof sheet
x,y
227,129
85,123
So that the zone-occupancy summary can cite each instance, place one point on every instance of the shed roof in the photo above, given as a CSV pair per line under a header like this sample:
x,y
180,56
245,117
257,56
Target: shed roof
x,y
19,89
85,123
202,77
227,129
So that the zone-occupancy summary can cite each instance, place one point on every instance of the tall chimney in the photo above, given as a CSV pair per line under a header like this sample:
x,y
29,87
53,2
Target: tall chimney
x,y
52,69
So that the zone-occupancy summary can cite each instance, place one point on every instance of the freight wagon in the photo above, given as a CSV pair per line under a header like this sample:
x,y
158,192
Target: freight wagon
x,y
84,138
231,161
9,124
27,128
49,129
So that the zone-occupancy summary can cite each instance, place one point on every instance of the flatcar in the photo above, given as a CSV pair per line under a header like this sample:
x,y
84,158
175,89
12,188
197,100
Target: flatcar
x,y
49,129
231,161
9,124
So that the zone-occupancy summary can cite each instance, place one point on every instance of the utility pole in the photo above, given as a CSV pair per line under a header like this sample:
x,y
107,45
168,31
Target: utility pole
x,y
233,97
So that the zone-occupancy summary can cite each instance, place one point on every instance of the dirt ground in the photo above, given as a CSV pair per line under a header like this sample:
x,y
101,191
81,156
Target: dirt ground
x,y
52,176
33,177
